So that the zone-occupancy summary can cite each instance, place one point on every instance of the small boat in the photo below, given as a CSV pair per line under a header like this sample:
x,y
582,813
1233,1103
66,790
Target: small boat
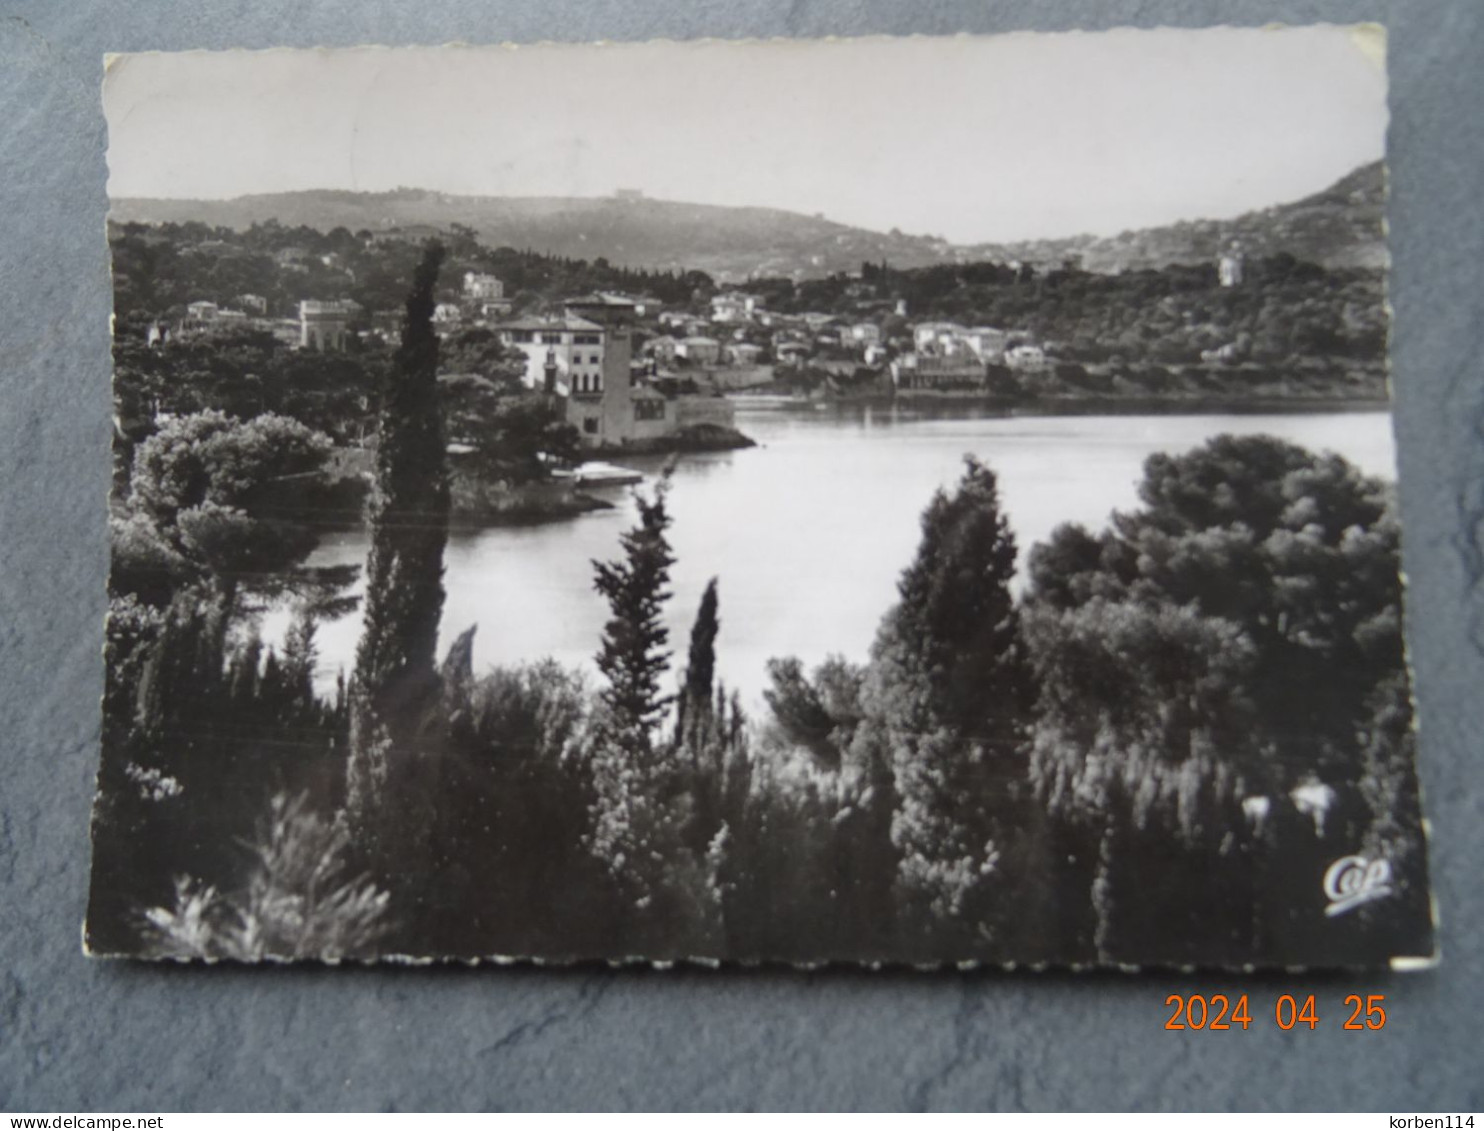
x,y
598,474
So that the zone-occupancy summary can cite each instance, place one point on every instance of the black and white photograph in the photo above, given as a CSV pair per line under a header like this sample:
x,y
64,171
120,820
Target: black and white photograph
x,y
921,502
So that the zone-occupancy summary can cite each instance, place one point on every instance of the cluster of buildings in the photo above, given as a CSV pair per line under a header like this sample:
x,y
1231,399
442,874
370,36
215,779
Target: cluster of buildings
x,y
946,356
321,324
481,301
629,369
741,333
202,316
585,357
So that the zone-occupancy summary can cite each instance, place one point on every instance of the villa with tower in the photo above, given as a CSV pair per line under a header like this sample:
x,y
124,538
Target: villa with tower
x,y
585,356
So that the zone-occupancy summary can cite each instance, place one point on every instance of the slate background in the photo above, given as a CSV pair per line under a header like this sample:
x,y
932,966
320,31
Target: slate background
x,y
84,1035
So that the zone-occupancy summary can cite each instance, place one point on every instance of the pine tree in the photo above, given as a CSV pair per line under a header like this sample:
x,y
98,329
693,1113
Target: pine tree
x,y
647,821
395,682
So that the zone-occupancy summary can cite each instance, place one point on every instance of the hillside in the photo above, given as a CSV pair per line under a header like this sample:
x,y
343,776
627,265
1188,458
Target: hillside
x,y
1339,227
725,242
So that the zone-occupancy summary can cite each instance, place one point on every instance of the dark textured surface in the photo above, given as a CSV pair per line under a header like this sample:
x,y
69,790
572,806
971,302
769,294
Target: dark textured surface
x,y
78,1034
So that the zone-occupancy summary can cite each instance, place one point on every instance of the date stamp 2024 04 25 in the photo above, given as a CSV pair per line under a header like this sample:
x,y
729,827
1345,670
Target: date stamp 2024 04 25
x,y
1221,1012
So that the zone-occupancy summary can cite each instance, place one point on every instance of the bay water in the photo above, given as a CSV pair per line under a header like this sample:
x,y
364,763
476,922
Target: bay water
x,y
808,531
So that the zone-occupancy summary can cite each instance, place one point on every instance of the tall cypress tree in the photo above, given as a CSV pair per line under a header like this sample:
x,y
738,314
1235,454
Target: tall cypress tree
x,y
696,701
632,656
701,726
957,626
395,682
951,684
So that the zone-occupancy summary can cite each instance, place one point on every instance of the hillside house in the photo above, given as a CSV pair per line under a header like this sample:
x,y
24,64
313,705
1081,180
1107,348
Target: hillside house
x,y
661,348
699,350
1025,357
743,353
792,353
324,324
944,339
1229,268
645,306
733,306
202,316
479,287
985,342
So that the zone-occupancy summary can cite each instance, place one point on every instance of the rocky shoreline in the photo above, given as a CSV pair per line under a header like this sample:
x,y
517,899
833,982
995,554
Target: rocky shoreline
x,y
475,503
695,439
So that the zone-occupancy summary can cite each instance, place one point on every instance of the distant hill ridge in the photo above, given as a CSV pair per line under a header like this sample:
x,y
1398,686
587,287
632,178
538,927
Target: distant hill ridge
x,y
1342,226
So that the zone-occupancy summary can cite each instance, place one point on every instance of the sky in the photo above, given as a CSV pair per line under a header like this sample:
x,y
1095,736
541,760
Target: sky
x,y
971,138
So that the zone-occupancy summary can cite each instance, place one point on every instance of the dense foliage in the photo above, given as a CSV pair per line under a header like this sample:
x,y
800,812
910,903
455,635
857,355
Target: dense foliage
x,y
1285,309
1210,692
159,268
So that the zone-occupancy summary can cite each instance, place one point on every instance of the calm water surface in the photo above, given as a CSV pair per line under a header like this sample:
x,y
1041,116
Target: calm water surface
x,y
808,531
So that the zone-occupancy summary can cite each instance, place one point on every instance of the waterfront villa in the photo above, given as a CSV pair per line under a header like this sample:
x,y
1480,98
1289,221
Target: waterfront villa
x,y
585,357
927,372
563,354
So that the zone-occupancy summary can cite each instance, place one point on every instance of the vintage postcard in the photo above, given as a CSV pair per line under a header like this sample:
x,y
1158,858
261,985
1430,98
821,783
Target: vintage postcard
x,y
883,501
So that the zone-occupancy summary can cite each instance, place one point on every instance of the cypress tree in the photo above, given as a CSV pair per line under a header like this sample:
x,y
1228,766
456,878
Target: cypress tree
x,y
695,705
632,656
701,726
951,684
245,673
183,682
395,682
300,654
957,627
273,692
